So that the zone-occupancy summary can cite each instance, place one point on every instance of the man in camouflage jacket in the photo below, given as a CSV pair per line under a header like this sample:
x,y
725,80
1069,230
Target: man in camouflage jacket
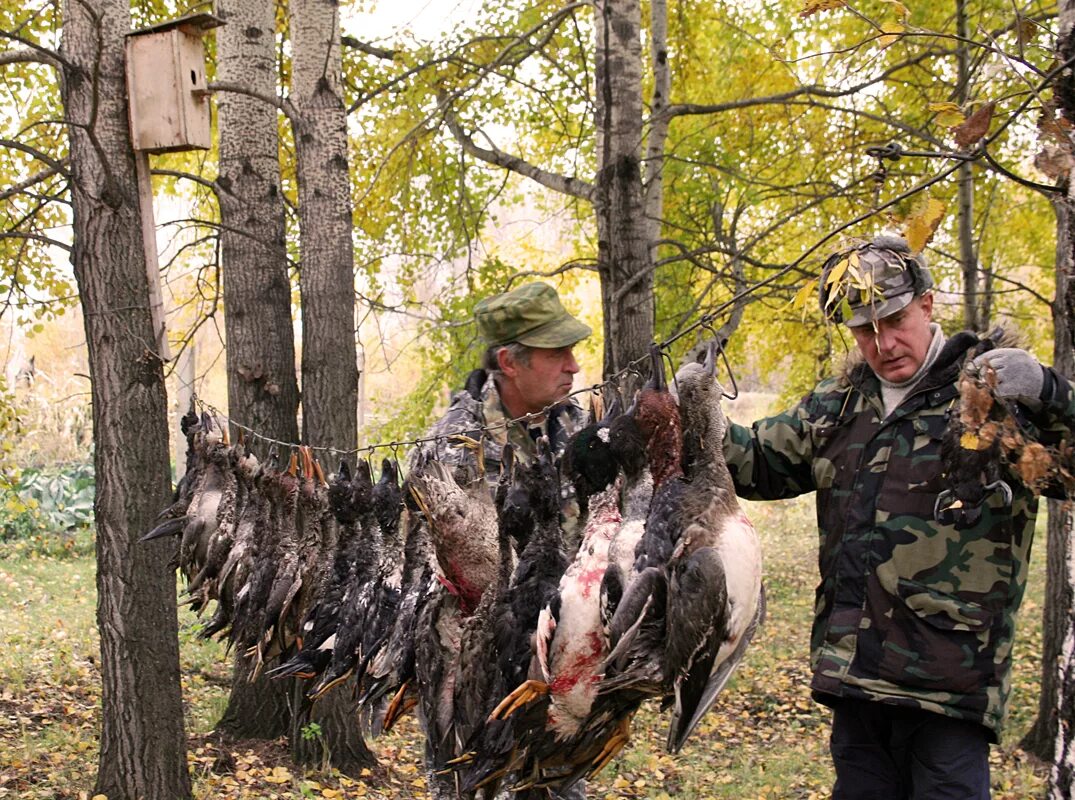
x,y
528,369
518,396
914,617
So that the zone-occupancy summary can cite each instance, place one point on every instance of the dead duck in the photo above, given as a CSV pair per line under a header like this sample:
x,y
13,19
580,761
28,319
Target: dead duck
x,y
280,489
390,675
251,532
570,646
378,623
321,619
638,595
296,546
359,594
464,535
528,509
170,521
204,587
715,595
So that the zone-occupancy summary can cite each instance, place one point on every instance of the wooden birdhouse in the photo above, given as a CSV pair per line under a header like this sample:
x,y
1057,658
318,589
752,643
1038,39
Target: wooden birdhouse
x,y
168,100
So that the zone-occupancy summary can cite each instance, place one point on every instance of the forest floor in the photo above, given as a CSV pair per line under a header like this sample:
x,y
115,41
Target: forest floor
x,y
765,738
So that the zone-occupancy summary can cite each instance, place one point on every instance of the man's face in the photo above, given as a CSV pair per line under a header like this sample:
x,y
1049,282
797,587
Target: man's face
x,y
895,346
547,377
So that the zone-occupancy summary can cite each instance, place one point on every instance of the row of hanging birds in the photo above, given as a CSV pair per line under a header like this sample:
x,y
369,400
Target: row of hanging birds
x,y
526,662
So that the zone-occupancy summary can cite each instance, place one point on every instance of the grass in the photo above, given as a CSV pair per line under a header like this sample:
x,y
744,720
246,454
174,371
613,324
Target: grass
x,y
765,738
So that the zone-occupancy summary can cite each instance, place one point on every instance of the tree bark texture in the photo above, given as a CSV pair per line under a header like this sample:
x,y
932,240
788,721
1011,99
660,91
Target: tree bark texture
x,y
1061,586
262,387
326,267
625,262
143,746
326,286
1041,738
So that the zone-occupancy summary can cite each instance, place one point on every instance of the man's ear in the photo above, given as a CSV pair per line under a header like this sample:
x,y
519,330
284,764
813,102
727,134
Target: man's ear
x,y
927,305
506,362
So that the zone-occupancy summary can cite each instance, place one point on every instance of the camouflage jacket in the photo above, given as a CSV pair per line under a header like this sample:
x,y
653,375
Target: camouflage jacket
x,y
908,611
477,406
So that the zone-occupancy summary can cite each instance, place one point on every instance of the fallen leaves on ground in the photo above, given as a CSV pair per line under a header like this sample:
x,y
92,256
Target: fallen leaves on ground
x,y
764,738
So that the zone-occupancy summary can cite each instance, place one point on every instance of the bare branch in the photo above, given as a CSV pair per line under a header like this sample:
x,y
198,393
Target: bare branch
x,y
29,56
36,237
493,155
281,103
810,90
368,49
210,185
40,156
60,168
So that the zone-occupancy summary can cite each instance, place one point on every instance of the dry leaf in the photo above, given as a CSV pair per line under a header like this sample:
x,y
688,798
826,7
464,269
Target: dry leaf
x,y
1034,466
1025,31
923,222
974,127
816,6
948,114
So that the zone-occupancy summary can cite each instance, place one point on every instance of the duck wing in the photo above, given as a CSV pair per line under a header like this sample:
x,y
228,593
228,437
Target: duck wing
x,y
695,697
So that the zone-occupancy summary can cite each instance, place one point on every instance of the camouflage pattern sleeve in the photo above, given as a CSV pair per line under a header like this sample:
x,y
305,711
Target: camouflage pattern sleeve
x,y
1056,420
774,458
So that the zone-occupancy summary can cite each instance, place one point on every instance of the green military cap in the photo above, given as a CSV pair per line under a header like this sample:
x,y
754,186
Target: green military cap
x,y
531,315
884,280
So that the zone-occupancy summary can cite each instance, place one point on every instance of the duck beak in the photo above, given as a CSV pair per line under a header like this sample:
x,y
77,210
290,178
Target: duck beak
x,y
711,360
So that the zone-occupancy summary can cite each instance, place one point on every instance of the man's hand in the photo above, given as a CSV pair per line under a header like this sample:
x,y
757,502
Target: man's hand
x,y
1019,375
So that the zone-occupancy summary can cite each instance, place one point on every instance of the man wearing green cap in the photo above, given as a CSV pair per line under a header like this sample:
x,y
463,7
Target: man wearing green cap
x,y
521,391
914,613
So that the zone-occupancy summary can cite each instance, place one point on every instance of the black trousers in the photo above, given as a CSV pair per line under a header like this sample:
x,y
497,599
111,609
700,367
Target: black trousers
x,y
884,752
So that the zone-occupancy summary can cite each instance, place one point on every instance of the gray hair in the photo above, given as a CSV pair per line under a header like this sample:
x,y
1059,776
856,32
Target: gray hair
x,y
520,352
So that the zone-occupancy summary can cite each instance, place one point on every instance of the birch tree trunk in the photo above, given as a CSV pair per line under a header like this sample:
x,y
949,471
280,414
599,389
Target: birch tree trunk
x,y
1062,557
1041,738
262,387
326,284
1055,725
326,268
143,746
625,261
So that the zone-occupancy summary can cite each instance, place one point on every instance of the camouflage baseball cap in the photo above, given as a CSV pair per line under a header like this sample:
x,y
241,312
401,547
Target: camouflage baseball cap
x,y
531,315
879,279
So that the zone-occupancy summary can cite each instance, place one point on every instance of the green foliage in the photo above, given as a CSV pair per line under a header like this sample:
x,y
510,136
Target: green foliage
x,y
48,513
63,495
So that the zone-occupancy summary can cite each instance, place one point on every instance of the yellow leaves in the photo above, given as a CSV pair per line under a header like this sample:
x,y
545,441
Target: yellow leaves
x,y
890,32
923,221
804,297
969,440
947,114
901,11
811,7
278,775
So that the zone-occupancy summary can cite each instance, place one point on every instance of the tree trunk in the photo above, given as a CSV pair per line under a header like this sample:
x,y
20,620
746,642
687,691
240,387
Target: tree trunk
x,y
974,318
1041,738
143,746
625,262
326,271
262,388
1058,690
326,284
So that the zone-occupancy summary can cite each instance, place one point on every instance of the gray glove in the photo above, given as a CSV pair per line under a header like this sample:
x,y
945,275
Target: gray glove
x,y
1019,375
